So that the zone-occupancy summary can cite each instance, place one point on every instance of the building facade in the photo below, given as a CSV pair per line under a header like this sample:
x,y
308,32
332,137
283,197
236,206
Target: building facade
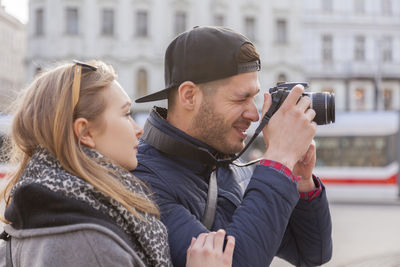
x,y
353,49
132,35
12,56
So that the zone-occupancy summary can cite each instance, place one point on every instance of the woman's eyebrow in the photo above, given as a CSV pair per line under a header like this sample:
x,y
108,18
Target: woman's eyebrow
x,y
128,103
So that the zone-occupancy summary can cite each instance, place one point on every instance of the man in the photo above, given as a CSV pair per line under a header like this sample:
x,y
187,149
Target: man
x,y
211,76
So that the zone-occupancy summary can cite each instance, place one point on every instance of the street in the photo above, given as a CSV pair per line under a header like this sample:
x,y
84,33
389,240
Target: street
x,y
365,233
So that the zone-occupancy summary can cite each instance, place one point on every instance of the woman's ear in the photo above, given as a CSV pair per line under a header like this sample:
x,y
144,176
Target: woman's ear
x,y
82,133
188,94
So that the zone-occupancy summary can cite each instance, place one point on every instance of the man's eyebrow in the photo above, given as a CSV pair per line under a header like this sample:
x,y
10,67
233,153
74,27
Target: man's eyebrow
x,y
247,94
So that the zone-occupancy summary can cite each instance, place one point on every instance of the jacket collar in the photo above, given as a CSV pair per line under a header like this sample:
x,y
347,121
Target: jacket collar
x,y
158,118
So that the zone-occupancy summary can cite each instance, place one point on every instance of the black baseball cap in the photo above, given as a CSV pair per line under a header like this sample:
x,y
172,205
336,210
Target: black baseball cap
x,y
202,54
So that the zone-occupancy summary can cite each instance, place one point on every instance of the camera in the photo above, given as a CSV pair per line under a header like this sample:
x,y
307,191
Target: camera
x,y
322,103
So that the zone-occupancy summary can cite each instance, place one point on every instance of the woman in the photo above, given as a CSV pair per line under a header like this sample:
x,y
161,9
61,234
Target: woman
x,y
72,200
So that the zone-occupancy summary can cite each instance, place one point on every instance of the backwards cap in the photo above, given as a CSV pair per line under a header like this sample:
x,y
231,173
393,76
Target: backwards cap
x,y
203,54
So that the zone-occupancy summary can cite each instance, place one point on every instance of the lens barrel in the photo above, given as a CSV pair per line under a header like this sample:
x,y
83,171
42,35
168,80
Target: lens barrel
x,y
324,107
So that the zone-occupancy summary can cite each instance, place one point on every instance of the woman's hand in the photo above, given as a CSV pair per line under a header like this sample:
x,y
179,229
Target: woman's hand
x,y
207,250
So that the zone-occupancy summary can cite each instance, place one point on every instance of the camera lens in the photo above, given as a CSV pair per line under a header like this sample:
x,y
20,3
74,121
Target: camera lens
x,y
324,106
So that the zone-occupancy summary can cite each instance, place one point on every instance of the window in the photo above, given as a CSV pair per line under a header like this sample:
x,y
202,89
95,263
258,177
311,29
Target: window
x,y
386,7
141,23
107,27
328,151
141,82
327,5
281,31
72,21
327,48
359,96
387,55
359,48
180,22
359,6
250,28
219,20
39,22
387,99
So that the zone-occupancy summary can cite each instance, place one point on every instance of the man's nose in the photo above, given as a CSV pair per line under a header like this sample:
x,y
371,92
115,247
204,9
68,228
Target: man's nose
x,y
251,112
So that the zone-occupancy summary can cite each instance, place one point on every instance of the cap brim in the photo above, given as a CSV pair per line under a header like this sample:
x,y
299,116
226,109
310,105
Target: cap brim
x,y
160,95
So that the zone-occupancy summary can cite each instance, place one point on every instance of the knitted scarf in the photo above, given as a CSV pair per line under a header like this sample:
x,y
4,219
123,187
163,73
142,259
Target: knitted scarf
x,y
149,238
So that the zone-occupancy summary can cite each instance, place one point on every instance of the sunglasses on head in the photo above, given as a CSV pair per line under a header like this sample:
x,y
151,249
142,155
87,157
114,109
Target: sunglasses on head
x,y
76,84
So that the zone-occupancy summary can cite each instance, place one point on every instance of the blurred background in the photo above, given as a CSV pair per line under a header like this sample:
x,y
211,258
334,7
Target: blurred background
x,y
347,47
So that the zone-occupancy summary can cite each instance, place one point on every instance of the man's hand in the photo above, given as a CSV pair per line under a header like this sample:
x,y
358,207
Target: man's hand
x,y
304,168
290,130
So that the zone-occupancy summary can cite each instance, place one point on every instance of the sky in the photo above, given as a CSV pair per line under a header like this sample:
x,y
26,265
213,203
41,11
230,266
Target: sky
x,y
17,8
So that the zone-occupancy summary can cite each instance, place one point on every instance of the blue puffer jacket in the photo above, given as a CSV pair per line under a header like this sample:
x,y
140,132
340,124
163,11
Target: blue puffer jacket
x,y
261,208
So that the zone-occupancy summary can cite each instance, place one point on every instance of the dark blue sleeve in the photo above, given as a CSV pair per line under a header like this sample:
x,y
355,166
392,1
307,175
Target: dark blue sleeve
x,y
307,241
258,224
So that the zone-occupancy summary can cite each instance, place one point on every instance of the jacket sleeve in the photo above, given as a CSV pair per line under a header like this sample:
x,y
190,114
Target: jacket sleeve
x,y
258,224
79,248
307,241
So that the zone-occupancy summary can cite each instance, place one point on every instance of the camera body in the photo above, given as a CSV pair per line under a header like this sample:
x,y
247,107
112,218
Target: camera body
x,y
322,103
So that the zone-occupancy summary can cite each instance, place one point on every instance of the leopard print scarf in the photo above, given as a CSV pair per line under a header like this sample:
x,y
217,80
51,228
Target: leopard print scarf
x,y
150,239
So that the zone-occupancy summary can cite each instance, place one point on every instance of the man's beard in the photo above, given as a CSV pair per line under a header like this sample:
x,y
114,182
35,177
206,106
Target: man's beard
x,y
211,128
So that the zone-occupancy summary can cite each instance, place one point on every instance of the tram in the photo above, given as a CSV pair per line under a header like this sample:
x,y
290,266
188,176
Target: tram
x,y
360,148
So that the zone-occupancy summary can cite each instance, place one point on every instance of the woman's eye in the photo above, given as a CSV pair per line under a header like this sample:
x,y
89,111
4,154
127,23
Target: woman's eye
x,y
128,114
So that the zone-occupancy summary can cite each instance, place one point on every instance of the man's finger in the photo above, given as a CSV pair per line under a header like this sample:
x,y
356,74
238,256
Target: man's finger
x,y
312,143
307,156
310,114
267,104
293,97
304,103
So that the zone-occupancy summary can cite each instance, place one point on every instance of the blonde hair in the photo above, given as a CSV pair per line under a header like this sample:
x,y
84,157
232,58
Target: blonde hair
x,y
44,118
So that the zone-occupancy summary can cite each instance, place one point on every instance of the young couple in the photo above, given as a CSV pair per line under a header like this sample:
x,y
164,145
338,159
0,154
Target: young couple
x,y
75,200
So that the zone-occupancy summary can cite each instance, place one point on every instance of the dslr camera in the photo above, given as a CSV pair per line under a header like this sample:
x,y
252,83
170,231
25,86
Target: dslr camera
x,y
322,103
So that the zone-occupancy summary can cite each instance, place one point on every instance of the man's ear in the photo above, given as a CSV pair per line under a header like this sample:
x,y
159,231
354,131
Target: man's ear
x,y
188,94
81,131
